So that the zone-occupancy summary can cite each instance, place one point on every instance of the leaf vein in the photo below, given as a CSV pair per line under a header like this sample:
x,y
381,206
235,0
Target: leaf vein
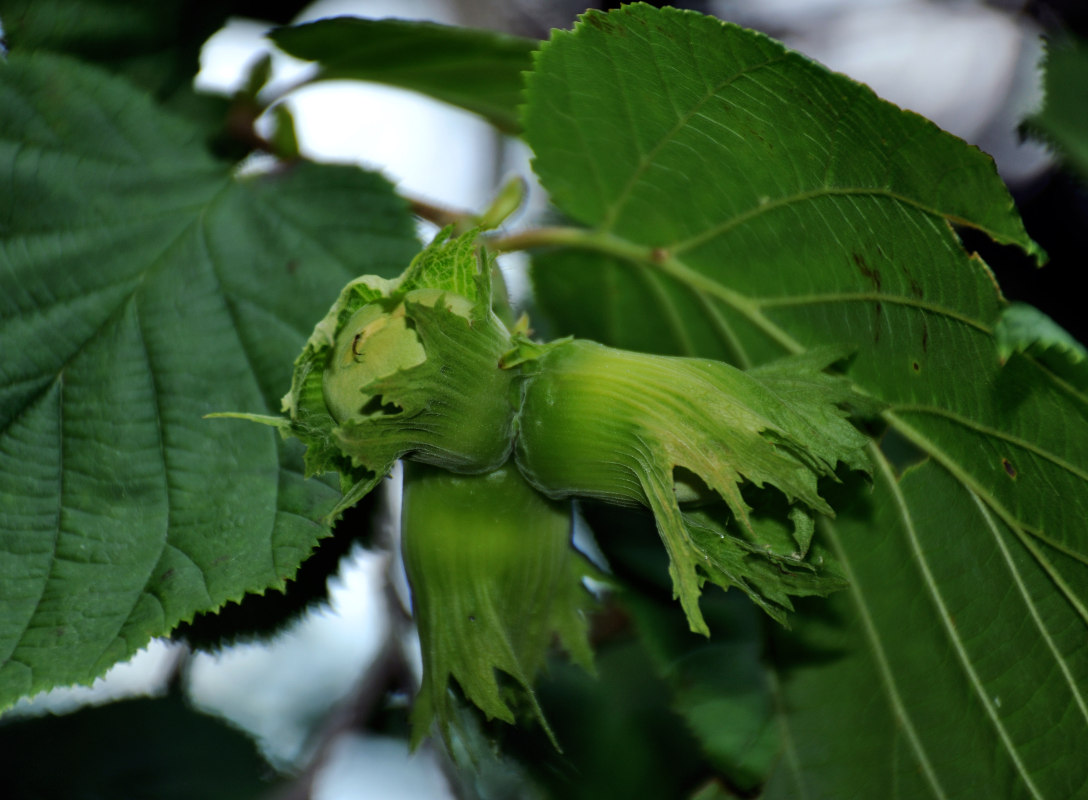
x,y
883,665
945,617
618,202
1033,610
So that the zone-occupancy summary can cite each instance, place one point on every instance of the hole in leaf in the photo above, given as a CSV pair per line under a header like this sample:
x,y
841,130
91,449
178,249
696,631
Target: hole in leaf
x,y
376,405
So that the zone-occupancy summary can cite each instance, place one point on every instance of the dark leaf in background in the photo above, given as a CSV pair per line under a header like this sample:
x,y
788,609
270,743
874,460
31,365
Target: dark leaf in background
x,y
155,45
1063,120
145,748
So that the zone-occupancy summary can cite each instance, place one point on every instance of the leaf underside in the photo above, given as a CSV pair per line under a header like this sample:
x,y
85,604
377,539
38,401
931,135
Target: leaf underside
x,y
477,70
745,202
142,286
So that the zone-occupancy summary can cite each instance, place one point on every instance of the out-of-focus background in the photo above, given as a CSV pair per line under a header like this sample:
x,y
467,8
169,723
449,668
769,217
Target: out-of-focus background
x,y
971,66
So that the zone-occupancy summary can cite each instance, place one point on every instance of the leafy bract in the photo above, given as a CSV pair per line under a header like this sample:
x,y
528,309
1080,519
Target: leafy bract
x,y
748,202
476,70
638,428
494,581
405,367
142,286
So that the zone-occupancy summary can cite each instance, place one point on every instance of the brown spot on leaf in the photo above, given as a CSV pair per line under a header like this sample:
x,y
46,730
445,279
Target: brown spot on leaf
x,y
869,272
1010,470
873,275
916,366
659,255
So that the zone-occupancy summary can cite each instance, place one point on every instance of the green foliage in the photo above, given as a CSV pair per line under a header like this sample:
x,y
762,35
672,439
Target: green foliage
x,y
142,286
1027,330
729,201
804,211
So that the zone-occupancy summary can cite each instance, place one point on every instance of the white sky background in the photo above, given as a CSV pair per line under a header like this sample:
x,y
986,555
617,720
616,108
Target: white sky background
x,y
967,67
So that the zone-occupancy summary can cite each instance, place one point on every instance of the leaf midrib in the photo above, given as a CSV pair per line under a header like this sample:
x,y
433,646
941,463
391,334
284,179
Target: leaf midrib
x,y
880,657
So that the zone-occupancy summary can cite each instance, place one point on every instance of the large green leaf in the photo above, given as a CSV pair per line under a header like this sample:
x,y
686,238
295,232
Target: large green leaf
x,y
748,202
474,69
142,285
960,672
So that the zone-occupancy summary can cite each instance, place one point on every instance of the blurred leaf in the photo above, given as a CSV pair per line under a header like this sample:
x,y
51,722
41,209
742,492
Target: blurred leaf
x,y
156,45
144,748
748,202
1063,120
284,140
476,70
619,736
141,287
720,687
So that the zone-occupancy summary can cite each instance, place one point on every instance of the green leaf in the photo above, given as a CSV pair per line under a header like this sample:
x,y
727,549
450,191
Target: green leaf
x,y
1063,121
764,205
264,617
958,673
494,580
476,70
1025,329
620,737
158,748
155,45
143,286
720,687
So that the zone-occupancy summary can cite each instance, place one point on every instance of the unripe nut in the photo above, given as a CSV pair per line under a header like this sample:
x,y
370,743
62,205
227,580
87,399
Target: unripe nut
x,y
418,377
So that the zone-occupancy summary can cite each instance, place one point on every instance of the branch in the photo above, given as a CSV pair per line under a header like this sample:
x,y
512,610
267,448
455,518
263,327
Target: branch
x,y
660,259
460,220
